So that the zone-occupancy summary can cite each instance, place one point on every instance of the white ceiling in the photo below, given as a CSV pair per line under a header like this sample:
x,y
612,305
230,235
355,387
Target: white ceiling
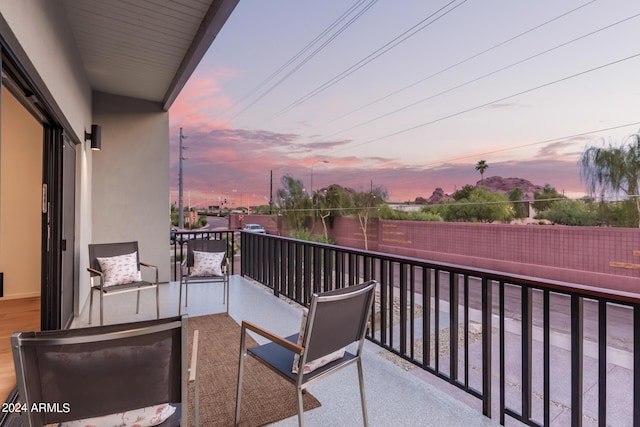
x,y
144,49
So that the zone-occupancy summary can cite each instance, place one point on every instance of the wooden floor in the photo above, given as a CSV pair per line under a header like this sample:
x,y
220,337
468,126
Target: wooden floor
x,y
15,315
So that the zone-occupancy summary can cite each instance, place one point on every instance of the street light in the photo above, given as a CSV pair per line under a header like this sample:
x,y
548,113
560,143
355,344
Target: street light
x,y
323,161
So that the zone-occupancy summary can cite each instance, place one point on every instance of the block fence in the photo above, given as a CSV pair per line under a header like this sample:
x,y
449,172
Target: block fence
x,y
593,256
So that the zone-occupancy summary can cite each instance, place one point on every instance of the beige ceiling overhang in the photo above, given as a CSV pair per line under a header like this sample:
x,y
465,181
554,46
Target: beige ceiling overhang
x,y
145,49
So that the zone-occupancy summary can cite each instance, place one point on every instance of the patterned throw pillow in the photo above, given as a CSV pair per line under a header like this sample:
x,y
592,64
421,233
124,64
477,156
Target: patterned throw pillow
x,y
120,270
145,417
207,264
319,362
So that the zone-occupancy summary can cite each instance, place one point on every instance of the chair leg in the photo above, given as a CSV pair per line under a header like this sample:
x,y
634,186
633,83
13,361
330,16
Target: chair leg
x,y
90,303
157,301
300,407
243,355
196,393
362,397
226,292
186,292
101,309
138,303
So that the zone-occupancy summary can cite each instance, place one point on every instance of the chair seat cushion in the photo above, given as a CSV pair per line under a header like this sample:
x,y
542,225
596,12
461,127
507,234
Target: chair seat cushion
x,y
120,270
207,264
312,365
143,417
281,358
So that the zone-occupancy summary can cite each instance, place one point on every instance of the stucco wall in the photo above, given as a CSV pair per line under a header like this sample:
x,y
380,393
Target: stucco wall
x,y
131,177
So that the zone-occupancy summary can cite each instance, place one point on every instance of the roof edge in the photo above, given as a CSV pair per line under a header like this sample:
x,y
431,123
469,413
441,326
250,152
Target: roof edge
x,y
213,21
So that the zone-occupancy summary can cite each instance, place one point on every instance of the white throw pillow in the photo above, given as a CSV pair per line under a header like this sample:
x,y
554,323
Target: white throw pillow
x,y
207,264
319,362
120,270
144,417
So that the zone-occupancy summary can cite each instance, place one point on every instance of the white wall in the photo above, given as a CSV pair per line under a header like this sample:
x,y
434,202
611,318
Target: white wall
x,y
131,177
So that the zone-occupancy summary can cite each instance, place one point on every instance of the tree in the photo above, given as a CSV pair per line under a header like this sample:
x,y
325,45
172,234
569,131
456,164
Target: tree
x,y
480,206
613,169
482,166
516,196
464,192
294,202
546,198
365,204
569,212
328,203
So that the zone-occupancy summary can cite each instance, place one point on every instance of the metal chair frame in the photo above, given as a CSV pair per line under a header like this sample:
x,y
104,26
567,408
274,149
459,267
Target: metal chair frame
x,y
115,249
38,381
187,265
279,353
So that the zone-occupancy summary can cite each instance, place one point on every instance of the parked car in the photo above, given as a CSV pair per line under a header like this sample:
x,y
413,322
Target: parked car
x,y
254,228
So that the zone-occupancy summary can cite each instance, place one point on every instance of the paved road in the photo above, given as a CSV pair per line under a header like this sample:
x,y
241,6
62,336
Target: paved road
x,y
216,222
619,317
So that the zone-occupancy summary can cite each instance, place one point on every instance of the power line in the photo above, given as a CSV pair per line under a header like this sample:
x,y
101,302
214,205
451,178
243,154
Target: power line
x,y
480,203
457,64
308,58
424,23
504,98
531,144
491,73
296,56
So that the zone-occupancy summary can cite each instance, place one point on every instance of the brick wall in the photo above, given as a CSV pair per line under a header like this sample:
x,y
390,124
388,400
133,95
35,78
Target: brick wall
x,y
571,254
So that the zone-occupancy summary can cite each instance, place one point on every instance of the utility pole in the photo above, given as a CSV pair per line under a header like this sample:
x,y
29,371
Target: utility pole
x,y
270,191
180,185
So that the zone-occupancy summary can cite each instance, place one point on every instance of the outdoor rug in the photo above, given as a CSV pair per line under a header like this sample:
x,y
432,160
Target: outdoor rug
x,y
266,396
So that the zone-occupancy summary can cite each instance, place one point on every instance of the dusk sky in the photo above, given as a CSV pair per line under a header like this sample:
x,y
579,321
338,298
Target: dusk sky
x,y
406,94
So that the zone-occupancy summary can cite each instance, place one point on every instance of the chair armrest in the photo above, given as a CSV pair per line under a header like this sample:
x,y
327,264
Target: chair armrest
x,y
98,273
146,264
273,337
94,271
193,366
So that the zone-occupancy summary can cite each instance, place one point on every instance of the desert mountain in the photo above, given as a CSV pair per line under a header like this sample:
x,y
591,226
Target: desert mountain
x,y
495,184
502,185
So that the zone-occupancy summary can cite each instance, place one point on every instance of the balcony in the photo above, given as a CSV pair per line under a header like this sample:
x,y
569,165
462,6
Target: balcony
x,y
394,396
556,354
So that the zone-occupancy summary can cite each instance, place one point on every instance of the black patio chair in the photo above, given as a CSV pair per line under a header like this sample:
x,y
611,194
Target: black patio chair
x,y
119,371
336,319
108,251
190,274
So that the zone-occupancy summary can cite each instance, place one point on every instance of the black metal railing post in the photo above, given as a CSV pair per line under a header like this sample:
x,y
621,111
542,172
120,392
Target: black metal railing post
x,y
577,343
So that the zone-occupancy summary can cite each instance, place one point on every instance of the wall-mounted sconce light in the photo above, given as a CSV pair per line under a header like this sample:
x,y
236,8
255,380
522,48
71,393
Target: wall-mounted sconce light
x,y
95,137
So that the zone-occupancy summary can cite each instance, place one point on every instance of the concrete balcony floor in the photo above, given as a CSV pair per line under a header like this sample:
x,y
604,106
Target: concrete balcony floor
x,y
394,396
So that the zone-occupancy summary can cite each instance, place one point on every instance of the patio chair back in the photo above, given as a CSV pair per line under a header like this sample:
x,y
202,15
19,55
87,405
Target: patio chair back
x,y
102,370
105,250
336,319
202,245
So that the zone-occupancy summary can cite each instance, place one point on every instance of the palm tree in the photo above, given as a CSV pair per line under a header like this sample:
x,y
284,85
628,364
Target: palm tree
x,y
613,169
481,166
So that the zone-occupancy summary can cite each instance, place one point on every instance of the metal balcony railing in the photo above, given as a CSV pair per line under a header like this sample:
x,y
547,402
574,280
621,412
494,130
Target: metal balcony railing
x,y
443,318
